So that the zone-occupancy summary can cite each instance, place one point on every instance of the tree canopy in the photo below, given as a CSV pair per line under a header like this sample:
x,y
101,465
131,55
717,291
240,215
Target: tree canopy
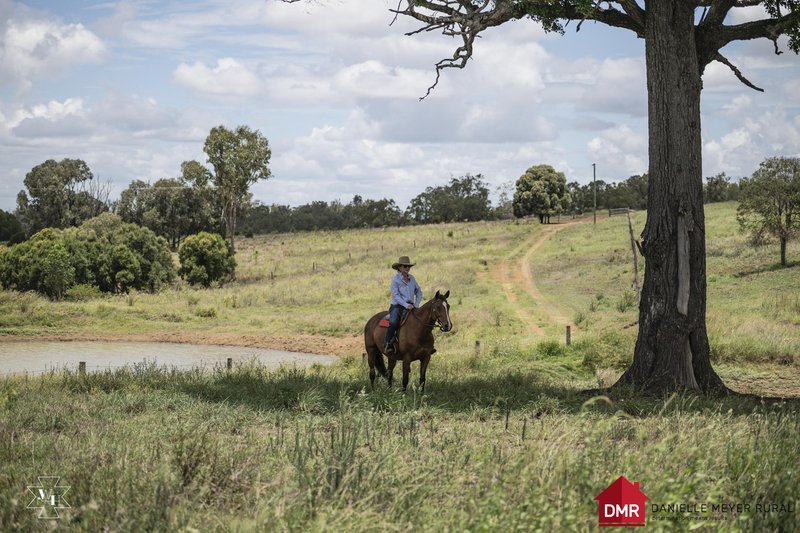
x,y
541,191
60,194
769,204
462,199
10,228
172,208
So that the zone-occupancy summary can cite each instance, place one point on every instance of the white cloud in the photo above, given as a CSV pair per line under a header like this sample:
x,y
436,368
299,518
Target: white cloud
x,y
36,48
228,78
619,151
739,151
373,79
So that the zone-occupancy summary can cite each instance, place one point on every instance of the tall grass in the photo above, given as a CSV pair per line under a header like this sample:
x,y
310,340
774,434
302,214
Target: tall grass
x,y
311,450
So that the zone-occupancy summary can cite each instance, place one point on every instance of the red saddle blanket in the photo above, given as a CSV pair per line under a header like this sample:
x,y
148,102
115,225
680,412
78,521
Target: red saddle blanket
x,y
384,322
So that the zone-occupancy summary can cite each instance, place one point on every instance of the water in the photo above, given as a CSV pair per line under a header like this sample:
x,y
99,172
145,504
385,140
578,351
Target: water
x,y
40,357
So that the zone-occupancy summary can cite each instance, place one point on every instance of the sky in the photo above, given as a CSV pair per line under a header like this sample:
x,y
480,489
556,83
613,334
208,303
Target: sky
x,y
133,88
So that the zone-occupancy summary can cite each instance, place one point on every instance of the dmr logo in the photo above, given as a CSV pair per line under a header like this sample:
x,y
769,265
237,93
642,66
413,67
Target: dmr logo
x,y
622,504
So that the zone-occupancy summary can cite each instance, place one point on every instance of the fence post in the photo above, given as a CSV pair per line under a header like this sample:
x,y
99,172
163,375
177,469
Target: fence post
x,y
82,368
569,335
230,363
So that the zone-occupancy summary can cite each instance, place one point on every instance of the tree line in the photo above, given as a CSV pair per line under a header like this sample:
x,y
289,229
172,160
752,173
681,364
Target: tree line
x,y
64,194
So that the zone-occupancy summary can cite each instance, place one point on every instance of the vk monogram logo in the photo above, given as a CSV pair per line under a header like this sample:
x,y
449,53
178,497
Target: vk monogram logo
x,y
48,496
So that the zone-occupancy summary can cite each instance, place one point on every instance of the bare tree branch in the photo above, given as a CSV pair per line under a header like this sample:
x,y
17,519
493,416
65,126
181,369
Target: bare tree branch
x,y
724,60
770,28
467,19
635,12
456,18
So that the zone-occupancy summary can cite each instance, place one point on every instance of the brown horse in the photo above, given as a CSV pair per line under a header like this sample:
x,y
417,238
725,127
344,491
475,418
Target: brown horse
x,y
415,339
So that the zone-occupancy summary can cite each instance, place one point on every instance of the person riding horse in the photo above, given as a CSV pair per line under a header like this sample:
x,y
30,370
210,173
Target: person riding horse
x,y
406,294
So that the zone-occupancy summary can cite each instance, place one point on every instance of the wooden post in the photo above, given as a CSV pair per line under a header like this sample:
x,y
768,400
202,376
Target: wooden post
x,y
230,363
477,348
313,266
569,335
635,259
82,368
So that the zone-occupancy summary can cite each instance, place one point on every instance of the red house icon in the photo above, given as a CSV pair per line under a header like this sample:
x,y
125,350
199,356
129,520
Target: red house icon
x,y
622,504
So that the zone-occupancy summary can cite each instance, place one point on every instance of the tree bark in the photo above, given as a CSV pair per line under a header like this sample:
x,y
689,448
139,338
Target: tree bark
x,y
783,251
672,350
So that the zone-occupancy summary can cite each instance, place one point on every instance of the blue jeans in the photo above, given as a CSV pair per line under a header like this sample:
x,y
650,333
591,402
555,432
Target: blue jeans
x,y
395,312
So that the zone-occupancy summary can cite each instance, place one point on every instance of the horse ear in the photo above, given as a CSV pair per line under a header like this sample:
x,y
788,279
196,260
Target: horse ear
x,y
437,294
446,294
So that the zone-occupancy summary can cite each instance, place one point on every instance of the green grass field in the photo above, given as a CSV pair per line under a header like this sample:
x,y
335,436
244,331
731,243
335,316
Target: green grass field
x,y
502,440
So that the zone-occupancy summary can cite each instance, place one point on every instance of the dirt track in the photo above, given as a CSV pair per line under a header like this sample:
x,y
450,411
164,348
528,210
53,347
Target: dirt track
x,y
518,273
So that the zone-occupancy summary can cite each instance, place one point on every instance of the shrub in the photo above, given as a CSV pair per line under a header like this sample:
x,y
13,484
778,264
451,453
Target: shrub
x,y
82,292
41,264
550,349
57,273
206,312
205,259
103,252
627,301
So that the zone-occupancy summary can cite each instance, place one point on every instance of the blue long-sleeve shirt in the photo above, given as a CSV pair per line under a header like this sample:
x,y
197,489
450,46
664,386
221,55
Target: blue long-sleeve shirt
x,y
404,293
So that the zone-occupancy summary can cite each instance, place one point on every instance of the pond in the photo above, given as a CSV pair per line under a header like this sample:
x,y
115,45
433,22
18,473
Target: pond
x,y
39,357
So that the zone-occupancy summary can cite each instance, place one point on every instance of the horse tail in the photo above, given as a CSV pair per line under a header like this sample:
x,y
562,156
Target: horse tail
x,y
380,366
375,353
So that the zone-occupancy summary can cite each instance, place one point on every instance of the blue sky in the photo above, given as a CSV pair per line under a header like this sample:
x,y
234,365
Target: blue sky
x,y
133,88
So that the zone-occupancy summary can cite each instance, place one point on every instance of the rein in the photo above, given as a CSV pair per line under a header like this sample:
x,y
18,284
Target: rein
x,y
435,323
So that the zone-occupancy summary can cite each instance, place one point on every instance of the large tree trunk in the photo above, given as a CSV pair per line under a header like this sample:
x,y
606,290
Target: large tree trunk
x,y
672,351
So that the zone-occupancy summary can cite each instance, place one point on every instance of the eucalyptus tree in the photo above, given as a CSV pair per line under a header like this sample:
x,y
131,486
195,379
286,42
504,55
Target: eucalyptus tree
x,y
682,37
60,194
240,157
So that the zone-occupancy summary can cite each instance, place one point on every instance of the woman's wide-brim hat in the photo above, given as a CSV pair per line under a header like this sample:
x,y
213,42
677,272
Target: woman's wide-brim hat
x,y
403,261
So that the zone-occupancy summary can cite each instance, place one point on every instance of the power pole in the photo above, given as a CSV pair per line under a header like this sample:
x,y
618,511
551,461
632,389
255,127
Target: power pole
x,y
594,188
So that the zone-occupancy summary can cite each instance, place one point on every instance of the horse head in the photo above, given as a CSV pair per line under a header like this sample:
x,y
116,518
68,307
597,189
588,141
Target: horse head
x,y
441,311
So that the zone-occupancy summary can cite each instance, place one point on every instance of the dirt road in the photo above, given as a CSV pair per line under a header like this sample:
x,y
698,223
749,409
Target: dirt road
x,y
513,273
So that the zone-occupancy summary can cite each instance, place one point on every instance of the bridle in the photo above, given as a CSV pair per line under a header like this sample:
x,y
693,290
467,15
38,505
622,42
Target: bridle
x,y
437,322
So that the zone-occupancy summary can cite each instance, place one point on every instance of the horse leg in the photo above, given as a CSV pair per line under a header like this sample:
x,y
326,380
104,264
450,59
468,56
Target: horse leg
x,y
370,360
406,372
423,368
390,370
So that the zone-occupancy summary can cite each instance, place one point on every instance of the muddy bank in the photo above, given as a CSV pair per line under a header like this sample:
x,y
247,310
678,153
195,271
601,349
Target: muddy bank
x,y
316,344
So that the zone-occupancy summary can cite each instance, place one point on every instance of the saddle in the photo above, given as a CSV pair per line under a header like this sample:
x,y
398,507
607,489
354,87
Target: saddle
x,y
384,322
